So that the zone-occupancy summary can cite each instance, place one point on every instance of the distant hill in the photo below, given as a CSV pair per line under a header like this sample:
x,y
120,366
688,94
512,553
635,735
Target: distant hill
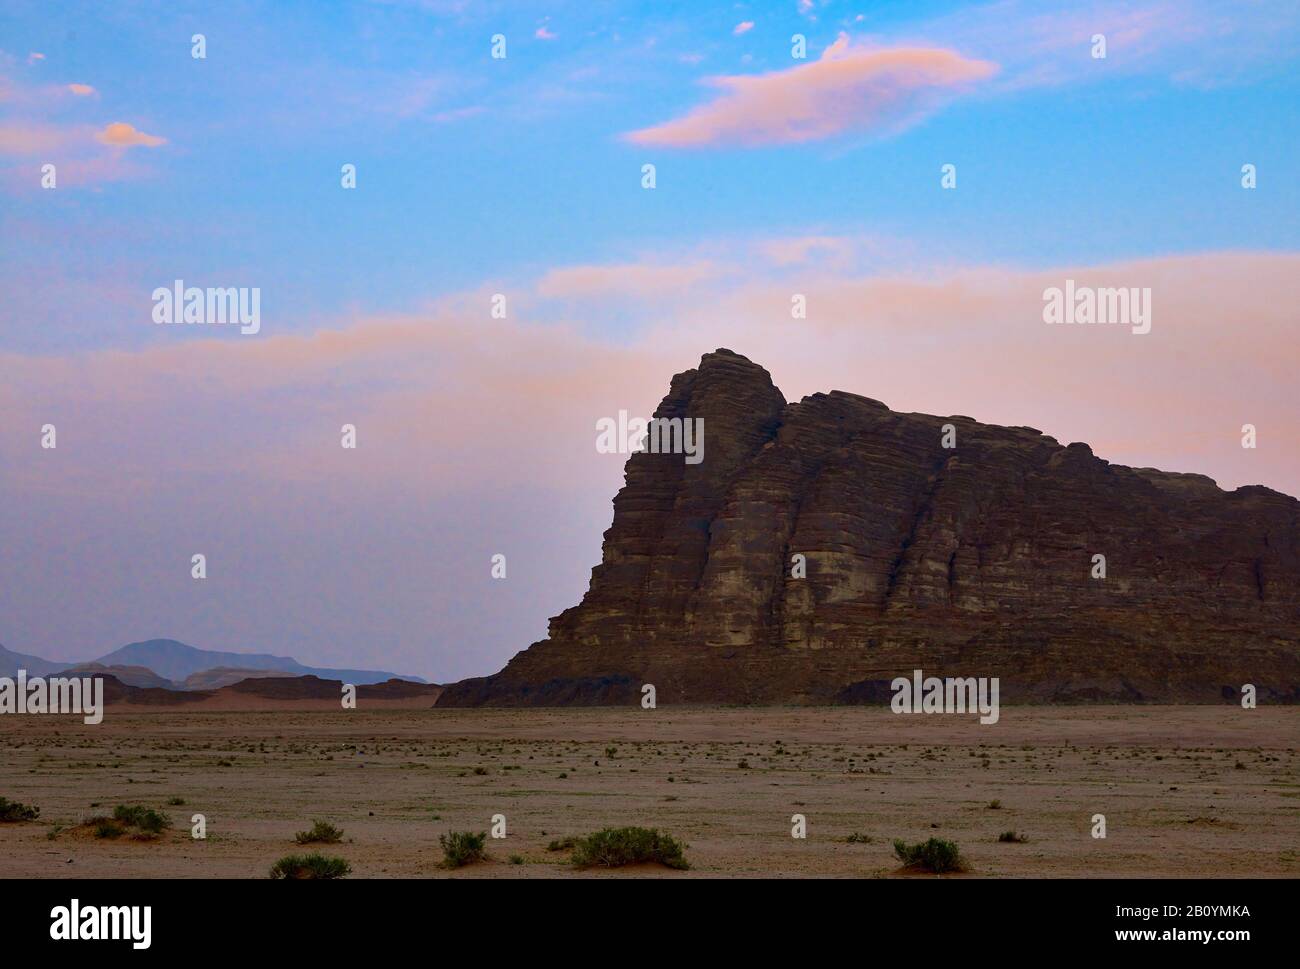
x,y
163,663
128,675
219,676
177,661
271,693
11,663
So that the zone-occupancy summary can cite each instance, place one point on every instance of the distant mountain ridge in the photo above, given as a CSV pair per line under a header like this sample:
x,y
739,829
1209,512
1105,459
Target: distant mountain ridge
x,y
177,661
11,663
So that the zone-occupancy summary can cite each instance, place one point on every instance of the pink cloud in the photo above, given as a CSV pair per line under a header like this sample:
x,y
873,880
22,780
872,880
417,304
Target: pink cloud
x,y
846,90
543,34
119,134
640,280
744,27
81,90
23,138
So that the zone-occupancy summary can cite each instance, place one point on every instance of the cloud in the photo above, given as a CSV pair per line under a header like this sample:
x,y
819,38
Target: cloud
x,y
32,138
81,90
543,34
1043,43
847,90
35,56
744,27
799,250
641,280
119,134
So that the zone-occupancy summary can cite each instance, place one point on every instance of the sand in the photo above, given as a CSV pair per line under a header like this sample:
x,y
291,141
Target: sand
x,y
1186,791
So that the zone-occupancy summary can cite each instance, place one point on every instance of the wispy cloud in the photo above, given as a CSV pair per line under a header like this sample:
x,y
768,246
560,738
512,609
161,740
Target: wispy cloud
x,y
848,90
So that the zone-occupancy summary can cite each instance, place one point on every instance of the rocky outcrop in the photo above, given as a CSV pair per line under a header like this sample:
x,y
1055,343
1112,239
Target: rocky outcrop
x,y
973,560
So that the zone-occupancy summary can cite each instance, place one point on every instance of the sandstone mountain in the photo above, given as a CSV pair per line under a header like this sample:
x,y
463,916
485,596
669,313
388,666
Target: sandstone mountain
x,y
974,560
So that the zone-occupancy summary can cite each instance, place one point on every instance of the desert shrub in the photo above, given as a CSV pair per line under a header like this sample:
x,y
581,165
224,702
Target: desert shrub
x,y
516,859
460,848
995,805
935,855
322,832
142,818
106,827
175,801
857,838
315,865
13,811
1011,837
613,847
562,844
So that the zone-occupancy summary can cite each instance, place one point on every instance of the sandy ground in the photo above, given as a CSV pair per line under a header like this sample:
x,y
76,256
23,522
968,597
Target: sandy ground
x,y
1186,791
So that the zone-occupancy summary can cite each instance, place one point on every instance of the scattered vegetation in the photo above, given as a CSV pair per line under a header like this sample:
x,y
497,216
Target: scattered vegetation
x,y
613,847
143,818
139,822
994,805
1010,837
857,838
315,865
13,811
460,848
936,855
562,844
322,832
516,859
175,801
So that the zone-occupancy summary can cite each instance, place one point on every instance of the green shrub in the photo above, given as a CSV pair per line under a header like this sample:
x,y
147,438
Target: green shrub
x,y
935,855
13,811
562,844
322,832
613,847
460,848
142,818
310,866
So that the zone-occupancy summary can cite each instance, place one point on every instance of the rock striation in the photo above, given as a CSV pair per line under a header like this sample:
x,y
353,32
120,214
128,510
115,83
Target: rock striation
x,y
974,560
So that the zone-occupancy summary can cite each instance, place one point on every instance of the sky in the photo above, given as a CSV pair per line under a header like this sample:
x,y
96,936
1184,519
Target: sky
x,y
523,176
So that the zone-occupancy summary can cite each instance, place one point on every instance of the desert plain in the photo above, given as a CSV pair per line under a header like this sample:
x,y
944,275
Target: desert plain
x,y
1185,790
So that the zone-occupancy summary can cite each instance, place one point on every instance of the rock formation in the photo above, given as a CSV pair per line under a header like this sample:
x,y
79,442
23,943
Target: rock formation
x,y
974,560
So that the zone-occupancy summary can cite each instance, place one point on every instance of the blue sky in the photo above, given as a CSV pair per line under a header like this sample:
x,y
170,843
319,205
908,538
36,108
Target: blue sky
x,y
473,169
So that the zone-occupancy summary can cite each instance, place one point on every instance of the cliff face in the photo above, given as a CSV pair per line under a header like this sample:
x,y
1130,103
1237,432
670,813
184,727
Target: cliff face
x,y
974,560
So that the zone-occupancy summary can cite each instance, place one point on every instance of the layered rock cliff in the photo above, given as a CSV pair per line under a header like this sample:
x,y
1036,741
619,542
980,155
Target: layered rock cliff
x,y
974,560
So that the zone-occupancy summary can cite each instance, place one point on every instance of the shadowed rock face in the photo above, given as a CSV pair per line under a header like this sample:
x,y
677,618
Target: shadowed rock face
x,y
969,561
